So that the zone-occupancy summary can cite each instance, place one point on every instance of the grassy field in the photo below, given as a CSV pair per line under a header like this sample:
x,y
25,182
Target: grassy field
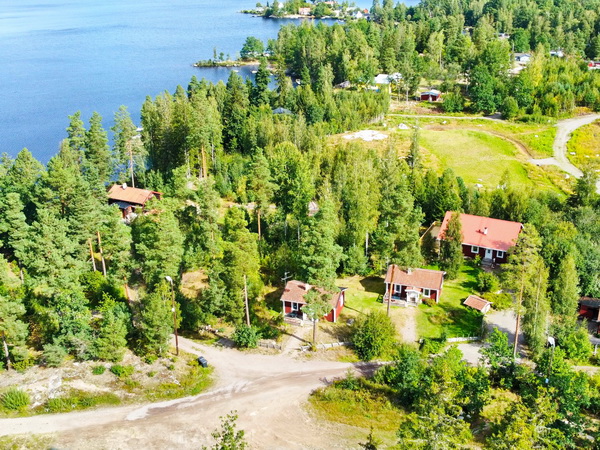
x,y
478,150
453,148
450,315
360,408
585,143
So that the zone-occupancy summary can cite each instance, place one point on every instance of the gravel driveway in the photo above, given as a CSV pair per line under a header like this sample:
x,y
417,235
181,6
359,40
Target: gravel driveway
x,y
267,391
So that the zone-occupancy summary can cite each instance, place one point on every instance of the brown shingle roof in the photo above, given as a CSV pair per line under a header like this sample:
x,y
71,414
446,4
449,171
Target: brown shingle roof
x,y
124,193
476,302
419,278
296,290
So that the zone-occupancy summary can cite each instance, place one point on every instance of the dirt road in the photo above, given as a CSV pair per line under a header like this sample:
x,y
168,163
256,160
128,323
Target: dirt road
x,y
564,130
267,391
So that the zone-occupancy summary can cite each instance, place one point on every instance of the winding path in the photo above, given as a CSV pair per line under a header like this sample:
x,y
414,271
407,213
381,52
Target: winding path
x,y
267,391
565,129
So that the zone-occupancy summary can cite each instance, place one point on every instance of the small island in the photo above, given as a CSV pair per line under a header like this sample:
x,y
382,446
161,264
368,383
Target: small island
x,y
299,9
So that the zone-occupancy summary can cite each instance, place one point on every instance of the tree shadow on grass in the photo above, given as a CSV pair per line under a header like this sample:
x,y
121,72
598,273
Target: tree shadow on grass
x,y
373,284
273,299
471,282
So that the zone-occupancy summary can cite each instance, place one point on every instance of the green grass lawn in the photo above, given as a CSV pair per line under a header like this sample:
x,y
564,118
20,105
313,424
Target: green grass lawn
x,y
450,315
476,156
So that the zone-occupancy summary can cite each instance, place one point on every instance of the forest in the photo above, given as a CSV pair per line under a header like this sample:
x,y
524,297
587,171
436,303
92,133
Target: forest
x,y
238,165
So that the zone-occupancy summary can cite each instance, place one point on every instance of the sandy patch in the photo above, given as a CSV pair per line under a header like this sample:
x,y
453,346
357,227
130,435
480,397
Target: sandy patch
x,y
366,135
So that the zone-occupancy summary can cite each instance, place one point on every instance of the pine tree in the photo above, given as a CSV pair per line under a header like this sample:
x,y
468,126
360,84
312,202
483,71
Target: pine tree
x,y
261,186
155,322
76,135
318,254
414,154
260,90
110,341
97,151
13,330
235,112
566,290
451,256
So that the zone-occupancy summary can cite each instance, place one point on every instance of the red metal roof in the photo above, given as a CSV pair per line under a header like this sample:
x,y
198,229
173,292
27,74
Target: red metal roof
x,y
485,232
124,193
296,290
476,302
416,278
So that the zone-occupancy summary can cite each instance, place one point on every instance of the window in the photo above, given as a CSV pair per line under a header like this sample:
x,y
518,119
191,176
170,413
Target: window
x,y
397,288
474,249
294,306
499,254
426,293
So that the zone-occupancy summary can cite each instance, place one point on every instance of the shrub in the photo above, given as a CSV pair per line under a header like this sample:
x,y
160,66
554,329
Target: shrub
x,y
453,102
429,301
54,355
372,335
150,359
246,337
151,374
499,301
15,399
80,400
432,346
22,366
122,371
98,370
487,282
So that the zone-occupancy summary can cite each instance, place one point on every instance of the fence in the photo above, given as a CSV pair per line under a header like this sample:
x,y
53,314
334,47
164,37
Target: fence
x,y
325,346
269,344
463,339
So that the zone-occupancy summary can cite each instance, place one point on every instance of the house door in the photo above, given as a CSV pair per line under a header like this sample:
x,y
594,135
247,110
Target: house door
x,y
488,253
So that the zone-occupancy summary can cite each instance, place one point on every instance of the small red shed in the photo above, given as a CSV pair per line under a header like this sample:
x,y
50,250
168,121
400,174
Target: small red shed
x,y
293,300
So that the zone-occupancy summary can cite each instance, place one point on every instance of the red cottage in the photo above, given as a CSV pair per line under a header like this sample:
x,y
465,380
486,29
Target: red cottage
x,y
293,300
486,237
410,286
589,308
129,199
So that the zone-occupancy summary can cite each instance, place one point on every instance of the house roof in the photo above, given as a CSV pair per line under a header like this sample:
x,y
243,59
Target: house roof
x,y
590,302
485,232
296,290
476,302
124,193
416,278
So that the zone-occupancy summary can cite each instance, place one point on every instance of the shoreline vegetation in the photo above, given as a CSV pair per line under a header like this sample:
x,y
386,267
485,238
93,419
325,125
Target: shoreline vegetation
x,y
226,63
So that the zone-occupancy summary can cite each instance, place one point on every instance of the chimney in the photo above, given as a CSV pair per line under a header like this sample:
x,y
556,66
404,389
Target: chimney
x,y
485,230
124,186
409,271
307,287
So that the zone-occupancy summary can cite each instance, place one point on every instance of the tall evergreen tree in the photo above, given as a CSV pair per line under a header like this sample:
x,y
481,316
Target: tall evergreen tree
x,y
260,90
13,330
97,151
451,256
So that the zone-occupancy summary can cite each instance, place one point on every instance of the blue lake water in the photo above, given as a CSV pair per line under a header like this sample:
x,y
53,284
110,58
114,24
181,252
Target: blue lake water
x,y
58,57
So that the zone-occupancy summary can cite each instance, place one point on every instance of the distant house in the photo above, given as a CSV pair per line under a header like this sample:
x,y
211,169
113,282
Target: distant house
x,y
280,110
430,96
594,65
503,36
409,287
304,11
293,299
478,303
129,199
343,85
522,58
557,53
589,308
483,236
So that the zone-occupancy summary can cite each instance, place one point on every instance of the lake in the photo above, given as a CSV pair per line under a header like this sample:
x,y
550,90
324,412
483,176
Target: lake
x,y
59,57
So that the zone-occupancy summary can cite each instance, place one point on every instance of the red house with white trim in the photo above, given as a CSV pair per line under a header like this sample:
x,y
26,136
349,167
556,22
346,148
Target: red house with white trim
x,y
409,287
489,238
130,199
293,299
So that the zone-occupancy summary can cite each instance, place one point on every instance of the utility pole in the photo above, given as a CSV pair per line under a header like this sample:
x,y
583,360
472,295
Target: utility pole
x,y
130,151
285,278
390,291
101,254
170,280
92,254
246,300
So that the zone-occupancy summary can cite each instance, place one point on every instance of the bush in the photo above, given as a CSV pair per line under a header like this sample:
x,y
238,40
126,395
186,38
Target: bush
x,y
246,337
499,301
429,301
372,335
80,400
432,346
54,355
122,371
15,399
453,102
487,282
150,359
22,366
98,370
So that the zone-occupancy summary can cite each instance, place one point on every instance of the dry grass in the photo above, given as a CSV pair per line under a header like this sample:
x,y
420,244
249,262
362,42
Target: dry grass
x,y
585,143
193,282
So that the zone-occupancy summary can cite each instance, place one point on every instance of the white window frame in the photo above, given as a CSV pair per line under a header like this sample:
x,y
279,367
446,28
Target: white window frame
x,y
397,289
426,292
499,254
295,307
474,249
